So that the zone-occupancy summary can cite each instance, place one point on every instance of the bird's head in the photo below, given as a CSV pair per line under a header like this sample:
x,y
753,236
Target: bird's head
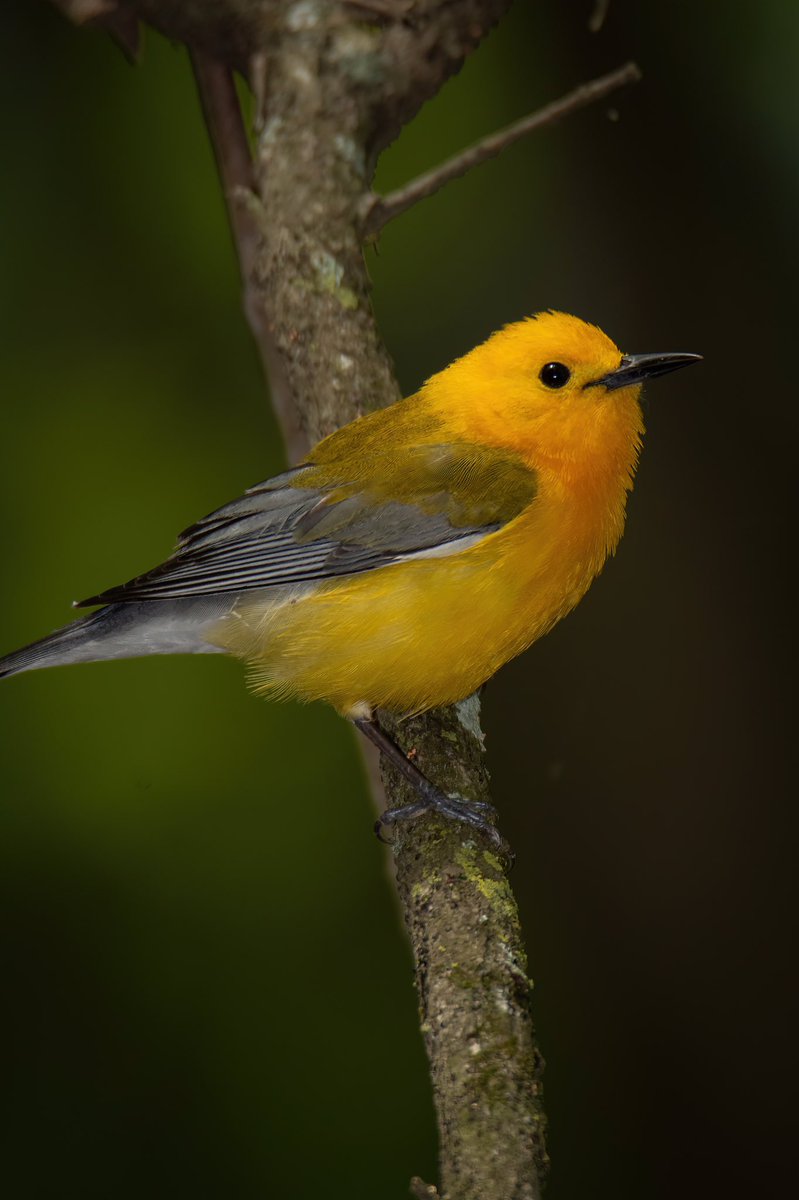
x,y
553,387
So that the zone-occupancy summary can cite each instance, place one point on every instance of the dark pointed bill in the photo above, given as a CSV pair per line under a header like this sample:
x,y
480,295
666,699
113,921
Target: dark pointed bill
x,y
635,368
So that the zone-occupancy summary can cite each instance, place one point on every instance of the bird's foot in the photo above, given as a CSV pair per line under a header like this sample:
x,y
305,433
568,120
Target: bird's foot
x,y
475,813
480,816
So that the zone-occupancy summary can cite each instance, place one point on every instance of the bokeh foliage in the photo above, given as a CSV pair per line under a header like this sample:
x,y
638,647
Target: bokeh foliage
x,y
207,990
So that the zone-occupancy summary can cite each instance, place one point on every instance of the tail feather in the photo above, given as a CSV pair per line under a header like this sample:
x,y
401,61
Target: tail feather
x,y
65,645
121,631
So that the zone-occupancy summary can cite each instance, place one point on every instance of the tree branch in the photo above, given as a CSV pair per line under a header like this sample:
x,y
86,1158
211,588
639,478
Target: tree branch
x,y
333,89
379,210
222,112
471,976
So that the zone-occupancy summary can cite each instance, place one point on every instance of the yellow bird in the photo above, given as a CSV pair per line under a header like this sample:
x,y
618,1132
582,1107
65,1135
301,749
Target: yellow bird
x,y
414,551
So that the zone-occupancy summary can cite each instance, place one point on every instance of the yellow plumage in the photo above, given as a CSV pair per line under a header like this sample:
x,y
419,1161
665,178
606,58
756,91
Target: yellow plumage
x,y
414,551
429,630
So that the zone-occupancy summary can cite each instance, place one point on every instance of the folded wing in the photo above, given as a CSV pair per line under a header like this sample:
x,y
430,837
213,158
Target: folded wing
x,y
328,518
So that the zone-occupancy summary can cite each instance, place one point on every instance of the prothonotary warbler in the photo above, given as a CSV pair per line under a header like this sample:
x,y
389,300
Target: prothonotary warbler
x,y
414,551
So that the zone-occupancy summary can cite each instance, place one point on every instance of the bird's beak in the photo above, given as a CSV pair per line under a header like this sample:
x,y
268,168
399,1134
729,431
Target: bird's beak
x,y
635,368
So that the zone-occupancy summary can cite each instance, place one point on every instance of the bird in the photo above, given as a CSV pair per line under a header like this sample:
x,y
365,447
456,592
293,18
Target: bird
x,y
414,551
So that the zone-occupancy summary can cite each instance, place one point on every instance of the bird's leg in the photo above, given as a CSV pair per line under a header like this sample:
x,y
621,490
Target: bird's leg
x,y
475,813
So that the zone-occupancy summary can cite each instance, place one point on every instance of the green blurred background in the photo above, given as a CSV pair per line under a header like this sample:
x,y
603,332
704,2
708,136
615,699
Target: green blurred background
x,y
207,992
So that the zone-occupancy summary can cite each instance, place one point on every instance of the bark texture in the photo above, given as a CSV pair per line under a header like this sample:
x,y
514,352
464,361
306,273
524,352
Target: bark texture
x,y
471,976
335,83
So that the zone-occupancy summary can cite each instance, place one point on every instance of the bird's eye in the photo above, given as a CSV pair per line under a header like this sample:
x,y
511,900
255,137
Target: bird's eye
x,y
555,375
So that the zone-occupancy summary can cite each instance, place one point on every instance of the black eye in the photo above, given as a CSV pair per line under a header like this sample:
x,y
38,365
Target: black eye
x,y
555,375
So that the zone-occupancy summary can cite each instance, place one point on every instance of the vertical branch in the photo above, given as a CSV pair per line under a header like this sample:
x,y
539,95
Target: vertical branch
x,y
295,213
313,170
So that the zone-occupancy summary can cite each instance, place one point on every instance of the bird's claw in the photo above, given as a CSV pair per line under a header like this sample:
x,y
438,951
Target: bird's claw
x,y
392,815
475,813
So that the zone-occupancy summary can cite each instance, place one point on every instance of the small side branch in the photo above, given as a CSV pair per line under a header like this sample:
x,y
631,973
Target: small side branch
x,y
222,112
382,209
228,136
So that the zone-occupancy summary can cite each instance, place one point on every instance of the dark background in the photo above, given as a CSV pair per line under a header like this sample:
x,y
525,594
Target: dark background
x,y
207,990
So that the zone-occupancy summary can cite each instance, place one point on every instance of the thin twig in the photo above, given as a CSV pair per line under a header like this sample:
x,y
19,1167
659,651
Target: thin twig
x,y
222,112
382,209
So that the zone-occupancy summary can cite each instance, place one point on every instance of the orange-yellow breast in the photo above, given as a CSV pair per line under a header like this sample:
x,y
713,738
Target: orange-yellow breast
x,y
419,634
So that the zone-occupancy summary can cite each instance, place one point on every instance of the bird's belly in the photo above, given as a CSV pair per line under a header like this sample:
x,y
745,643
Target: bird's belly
x,y
416,634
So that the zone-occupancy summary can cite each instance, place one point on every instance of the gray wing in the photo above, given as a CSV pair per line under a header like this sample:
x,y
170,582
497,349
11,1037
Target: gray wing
x,y
280,533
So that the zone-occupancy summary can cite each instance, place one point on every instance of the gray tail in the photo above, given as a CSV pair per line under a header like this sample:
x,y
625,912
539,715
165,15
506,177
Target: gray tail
x,y
119,631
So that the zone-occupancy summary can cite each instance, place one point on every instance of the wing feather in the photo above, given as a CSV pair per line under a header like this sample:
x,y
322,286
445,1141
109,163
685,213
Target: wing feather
x,y
315,523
